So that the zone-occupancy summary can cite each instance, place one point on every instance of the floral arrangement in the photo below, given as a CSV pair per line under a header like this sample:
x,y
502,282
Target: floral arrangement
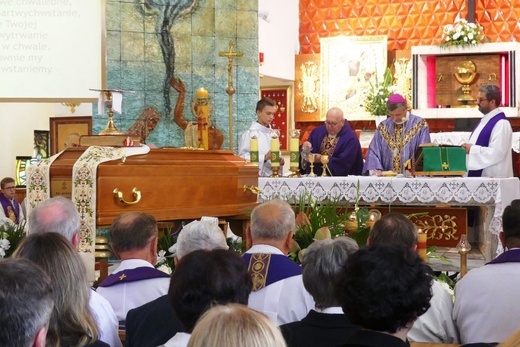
x,y
320,220
10,236
378,94
462,33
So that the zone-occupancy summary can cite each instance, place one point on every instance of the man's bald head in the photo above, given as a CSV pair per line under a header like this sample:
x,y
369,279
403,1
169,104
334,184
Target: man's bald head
x,y
334,121
272,220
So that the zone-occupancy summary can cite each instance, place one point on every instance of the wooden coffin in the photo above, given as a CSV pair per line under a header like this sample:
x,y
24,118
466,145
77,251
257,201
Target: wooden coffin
x,y
174,184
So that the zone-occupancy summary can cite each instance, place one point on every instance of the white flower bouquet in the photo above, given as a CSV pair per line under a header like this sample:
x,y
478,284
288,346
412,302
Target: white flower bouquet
x,y
462,33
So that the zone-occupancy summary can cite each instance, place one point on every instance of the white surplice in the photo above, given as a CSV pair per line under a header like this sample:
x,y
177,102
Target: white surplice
x,y
264,146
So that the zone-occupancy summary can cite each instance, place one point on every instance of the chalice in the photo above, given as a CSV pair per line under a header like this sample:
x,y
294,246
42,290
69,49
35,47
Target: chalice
x,y
465,75
311,157
324,161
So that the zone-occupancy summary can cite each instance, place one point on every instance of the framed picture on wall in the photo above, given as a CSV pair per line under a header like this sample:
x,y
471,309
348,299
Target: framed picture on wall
x,y
41,144
350,65
63,128
283,118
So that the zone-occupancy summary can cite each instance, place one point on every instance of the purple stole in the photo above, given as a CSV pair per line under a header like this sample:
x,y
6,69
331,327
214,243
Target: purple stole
x,y
512,256
132,275
483,138
7,206
266,269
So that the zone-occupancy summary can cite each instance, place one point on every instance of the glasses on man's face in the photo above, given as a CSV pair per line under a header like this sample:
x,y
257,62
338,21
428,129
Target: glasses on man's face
x,y
479,100
331,124
6,188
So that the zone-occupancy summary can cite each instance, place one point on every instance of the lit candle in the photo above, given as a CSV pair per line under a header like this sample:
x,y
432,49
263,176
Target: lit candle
x,y
294,144
202,109
253,148
275,152
421,244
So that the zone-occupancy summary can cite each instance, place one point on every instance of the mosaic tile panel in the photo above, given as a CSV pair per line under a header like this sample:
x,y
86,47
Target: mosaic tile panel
x,y
140,57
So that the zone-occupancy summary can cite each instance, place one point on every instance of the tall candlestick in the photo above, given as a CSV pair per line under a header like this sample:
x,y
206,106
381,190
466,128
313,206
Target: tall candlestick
x,y
202,109
253,148
422,244
294,144
275,152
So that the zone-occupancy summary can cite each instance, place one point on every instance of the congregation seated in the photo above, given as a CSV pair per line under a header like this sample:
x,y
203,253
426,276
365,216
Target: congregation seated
x,y
326,325
436,324
201,280
72,323
278,289
59,215
384,288
135,281
27,303
154,323
235,325
486,308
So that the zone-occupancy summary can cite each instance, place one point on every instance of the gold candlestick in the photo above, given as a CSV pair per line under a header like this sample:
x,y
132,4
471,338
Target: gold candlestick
x,y
463,247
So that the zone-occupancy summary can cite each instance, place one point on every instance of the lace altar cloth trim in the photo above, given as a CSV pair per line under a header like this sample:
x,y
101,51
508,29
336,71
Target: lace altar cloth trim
x,y
494,193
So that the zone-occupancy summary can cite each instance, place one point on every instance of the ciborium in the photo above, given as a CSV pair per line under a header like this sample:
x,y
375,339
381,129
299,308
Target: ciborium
x,y
465,75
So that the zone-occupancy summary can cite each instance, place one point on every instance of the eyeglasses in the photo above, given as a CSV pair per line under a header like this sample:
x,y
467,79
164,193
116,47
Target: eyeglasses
x,y
479,100
5,188
331,124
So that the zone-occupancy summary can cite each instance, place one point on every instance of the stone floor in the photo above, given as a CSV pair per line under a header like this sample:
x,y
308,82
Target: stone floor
x,y
451,263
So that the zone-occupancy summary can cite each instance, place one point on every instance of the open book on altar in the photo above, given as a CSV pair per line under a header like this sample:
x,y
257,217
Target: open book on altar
x,y
432,159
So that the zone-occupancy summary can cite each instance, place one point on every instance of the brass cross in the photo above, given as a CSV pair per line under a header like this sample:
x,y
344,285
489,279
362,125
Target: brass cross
x,y
230,90
230,55
122,277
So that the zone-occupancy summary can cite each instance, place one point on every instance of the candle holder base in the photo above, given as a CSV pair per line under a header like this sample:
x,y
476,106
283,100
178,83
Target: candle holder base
x,y
276,172
295,171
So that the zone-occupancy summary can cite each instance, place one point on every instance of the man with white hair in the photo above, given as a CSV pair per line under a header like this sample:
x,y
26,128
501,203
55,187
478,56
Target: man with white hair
x,y
59,215
154,323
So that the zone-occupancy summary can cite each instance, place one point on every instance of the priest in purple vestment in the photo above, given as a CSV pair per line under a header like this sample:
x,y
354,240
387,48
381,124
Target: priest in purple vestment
x,y
396,138
337,140
489,147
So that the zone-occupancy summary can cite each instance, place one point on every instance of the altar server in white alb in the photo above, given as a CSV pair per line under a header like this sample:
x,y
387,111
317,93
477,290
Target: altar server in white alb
x,y
265,111
489,147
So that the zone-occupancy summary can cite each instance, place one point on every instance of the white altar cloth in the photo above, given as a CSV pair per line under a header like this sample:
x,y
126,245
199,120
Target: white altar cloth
x,y
494,194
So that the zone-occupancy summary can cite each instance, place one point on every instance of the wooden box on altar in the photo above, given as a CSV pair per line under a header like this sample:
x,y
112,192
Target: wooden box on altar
x,y
174,184
435,160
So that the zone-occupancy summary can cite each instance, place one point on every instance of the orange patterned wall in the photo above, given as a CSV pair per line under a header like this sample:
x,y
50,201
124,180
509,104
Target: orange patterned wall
x,y
407,23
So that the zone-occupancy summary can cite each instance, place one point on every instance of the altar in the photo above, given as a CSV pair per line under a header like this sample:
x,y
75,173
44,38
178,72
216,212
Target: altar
x,y
491,195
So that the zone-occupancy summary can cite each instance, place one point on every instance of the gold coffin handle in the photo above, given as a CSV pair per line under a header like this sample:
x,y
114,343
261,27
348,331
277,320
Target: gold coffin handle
x,y
252,189
119,196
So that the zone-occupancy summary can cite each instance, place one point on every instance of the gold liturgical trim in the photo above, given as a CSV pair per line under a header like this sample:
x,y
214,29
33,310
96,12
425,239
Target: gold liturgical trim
x,y
397,142
439,227
258,267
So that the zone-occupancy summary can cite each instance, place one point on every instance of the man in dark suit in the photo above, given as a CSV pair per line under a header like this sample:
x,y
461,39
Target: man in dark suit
x,y
154,323
327,325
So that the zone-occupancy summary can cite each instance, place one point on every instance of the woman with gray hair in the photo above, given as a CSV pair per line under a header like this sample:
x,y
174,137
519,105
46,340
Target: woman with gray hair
x,y
326,325
200,235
